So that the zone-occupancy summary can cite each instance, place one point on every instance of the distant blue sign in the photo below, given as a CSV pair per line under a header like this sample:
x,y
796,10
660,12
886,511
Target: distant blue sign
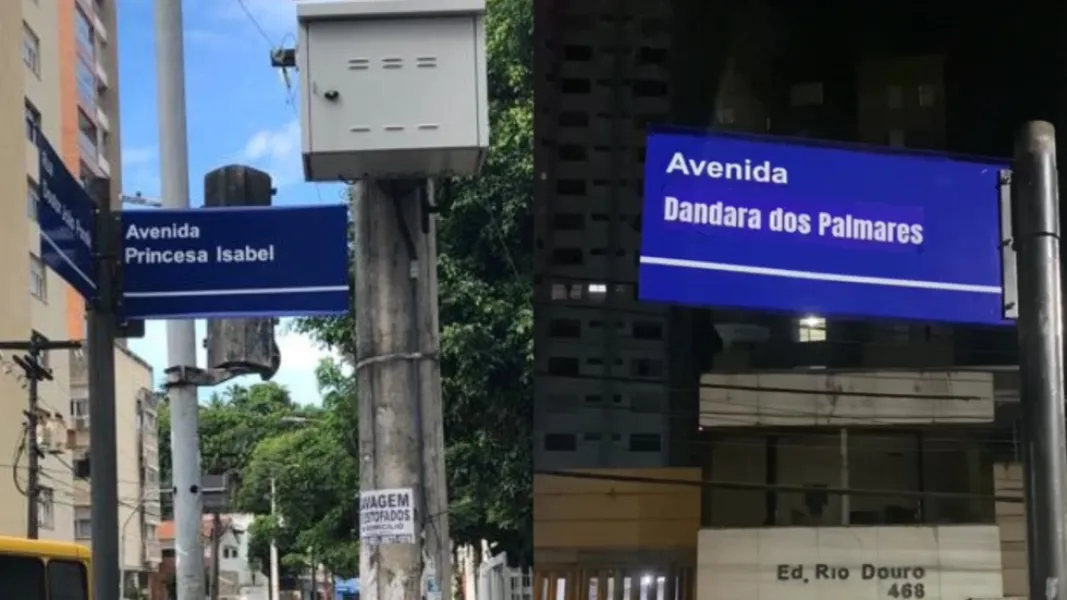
x,y
65,214
758,224
235,262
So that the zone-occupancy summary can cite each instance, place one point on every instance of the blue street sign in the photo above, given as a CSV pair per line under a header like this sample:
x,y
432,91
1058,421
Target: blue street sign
x,y
235,262
65,214
760,224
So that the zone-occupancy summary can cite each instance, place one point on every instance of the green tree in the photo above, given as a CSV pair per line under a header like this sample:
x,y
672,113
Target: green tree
x,y
485,276
316,477
232,423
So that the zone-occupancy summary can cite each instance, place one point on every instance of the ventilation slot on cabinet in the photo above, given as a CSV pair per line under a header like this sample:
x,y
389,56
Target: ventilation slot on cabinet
x,y
426,62
392,63
358,64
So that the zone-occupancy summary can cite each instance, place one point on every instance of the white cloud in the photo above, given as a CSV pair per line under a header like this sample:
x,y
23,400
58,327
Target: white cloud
x,y
276,151
300,357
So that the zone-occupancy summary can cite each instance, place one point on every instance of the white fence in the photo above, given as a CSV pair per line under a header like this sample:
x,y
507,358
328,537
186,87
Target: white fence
x,y
497,581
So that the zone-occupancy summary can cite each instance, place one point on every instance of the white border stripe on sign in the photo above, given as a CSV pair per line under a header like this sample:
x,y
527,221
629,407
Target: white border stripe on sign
x,y
815,276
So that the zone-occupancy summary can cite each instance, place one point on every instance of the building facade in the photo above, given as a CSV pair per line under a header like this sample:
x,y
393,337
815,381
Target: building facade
x,y
136,428
715,453
62,56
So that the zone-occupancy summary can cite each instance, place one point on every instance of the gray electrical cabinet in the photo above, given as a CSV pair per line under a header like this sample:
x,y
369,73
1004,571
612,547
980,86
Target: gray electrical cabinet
x,y
392,88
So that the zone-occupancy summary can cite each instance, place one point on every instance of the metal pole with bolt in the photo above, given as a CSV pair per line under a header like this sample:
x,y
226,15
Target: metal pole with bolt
x,y
181,335
103,447
1036,231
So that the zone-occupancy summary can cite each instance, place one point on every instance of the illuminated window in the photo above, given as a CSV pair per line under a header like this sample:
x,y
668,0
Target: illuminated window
x,y
812,329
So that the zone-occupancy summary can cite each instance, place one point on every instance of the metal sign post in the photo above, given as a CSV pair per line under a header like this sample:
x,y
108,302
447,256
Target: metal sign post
x,y
1036,205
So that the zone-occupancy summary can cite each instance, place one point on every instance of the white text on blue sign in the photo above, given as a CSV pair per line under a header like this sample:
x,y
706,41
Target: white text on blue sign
x,y
834,224
81,230
138,248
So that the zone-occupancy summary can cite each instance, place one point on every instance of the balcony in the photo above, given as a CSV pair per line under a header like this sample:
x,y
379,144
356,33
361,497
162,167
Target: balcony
x,y
104,164
953,562
153,553
823,398
102,120
101,75
98,26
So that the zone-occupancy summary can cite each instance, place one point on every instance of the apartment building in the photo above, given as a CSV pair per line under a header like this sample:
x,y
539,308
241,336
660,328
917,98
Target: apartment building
x,y
777,414
136,428
60,53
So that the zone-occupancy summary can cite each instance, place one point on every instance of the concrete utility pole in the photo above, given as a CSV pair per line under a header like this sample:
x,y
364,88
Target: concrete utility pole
x,y
275,574
1036,207
400,430
181,335
216,560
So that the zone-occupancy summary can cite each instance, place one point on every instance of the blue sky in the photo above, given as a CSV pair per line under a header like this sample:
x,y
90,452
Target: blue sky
x,y
239,111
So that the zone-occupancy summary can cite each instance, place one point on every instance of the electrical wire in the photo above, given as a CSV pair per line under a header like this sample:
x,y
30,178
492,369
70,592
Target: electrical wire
x,y
764,487
255,23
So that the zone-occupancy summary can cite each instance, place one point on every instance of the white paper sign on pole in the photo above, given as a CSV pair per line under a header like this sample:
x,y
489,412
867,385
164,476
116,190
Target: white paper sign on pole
x,y
387,516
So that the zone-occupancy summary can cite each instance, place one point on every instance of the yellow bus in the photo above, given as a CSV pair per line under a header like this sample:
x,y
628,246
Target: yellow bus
x,y
43,570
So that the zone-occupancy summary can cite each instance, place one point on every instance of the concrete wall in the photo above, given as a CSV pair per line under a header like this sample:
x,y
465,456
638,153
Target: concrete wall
x,y
582,514
1011,519
958,562
845,398
132,375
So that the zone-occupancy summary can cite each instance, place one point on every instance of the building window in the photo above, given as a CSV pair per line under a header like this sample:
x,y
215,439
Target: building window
x,y
806,94
927,95
645,442
83,30
44,359
812,329
83,529
38,279
560,442
79,407
32,199
87,135
31,49
46,507
33,122
85,174
229,552
895,97
896,138
86,84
